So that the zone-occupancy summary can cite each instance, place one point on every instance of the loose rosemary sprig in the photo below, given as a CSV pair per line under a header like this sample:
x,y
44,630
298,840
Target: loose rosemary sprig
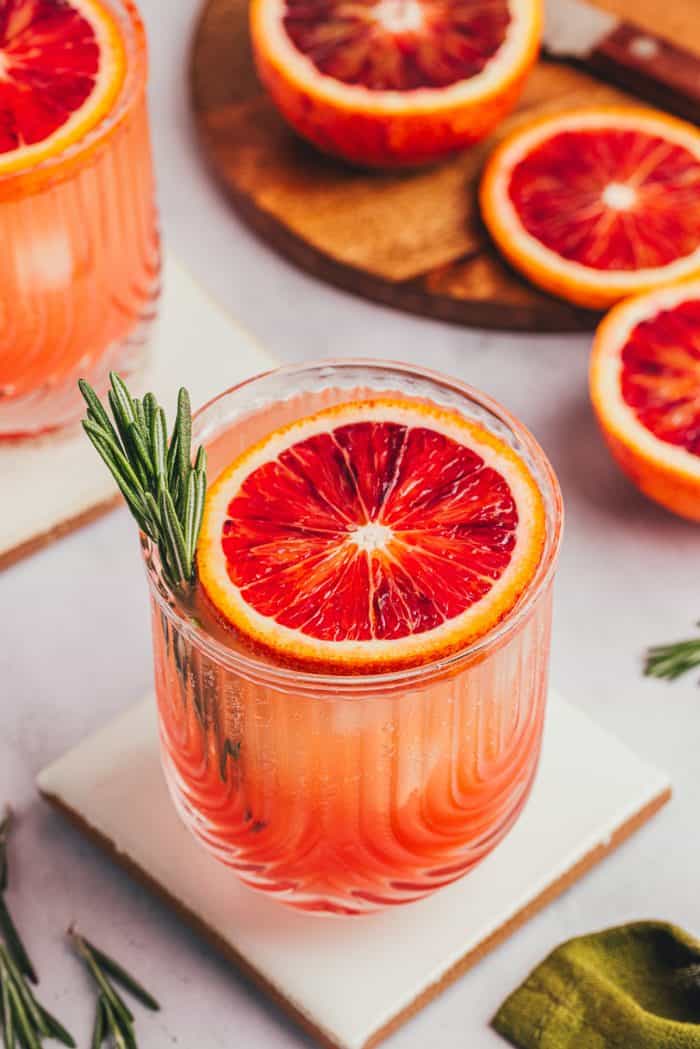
x,y
674,660
24,1021
163,489
114,1021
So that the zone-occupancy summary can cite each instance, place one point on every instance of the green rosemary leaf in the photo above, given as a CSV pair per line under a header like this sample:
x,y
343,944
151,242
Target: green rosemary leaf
x,y
190,512
14,943
23,1025
150,404
173,464
154,476
119,973
200,496
30,1003
113,1027
56,1030
159,446
125,410
132,499
8,1016
109,439
114,457
142,454
153,511
99,1030
140,417
115,1001
670,662
183,429
173,532
95,409
121,421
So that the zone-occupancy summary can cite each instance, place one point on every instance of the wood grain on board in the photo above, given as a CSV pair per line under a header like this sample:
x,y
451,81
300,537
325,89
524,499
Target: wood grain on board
x,y
411,240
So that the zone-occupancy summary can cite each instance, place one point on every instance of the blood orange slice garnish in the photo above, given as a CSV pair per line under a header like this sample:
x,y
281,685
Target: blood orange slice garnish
x,y
597,204
62,64
645,387
372,535
391,82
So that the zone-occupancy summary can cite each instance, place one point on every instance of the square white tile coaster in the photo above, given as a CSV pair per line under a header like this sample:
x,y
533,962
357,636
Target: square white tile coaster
x,y
56,483
111,786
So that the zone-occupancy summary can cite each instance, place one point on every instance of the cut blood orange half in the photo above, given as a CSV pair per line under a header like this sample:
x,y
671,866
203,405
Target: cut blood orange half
x,y
394,82
62,64
645,387
371,536
597,204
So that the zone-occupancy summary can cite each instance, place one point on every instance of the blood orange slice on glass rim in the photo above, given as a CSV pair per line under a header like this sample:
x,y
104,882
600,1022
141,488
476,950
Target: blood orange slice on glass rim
x,y
394,82
62,65
645,388
597,204
371,536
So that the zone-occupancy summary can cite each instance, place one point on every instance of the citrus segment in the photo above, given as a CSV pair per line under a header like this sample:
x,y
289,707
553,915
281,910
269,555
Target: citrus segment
x,y
398,45
597,204
61,66
394,82
645,386
374,534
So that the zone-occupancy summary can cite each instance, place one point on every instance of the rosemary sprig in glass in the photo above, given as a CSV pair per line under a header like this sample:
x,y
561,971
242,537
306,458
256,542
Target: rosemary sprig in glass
x,y
163,489
674,660
114,1021
24,1021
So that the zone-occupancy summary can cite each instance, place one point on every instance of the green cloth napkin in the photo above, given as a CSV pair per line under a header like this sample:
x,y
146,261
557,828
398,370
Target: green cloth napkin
x,y
632,987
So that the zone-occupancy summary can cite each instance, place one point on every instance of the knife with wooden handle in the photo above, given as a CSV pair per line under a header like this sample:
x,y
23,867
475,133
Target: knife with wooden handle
x,y
632,58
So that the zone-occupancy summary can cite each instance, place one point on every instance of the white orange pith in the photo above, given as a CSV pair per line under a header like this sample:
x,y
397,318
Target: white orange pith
x,y
645,388
62,66
597,204
371,536
394,82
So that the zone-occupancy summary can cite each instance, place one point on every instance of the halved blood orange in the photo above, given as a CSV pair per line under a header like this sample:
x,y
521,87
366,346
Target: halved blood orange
x,y
394,82
645,387
62,64
597,204
372,535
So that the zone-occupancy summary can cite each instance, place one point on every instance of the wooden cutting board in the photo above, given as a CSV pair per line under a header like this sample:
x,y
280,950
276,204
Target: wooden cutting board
x,y
413,241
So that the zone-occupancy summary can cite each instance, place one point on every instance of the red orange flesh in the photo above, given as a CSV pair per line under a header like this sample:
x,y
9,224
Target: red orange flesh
x,y
61,66
645,386
597,204
377,534
394,82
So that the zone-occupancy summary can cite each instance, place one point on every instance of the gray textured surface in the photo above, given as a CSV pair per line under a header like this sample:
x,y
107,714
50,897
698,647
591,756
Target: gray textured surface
x,y
75,646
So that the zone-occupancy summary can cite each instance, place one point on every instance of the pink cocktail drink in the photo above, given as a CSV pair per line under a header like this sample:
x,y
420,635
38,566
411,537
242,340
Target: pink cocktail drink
x,y
346,788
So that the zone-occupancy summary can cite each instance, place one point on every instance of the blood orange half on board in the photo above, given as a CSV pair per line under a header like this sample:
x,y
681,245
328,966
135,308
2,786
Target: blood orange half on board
x,y
645,387
62,64
597,204
371,536
394,82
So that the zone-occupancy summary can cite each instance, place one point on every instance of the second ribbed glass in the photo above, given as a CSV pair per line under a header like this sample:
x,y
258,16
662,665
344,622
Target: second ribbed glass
x,y
80,263
338,794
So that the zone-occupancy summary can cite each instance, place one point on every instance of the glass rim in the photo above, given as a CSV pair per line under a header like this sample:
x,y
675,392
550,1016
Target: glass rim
x,y
135,78
252,667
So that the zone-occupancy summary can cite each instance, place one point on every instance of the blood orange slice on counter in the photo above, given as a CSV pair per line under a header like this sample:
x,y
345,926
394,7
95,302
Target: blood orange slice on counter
x,y
394,82
62,64
597,204
371,536
645,387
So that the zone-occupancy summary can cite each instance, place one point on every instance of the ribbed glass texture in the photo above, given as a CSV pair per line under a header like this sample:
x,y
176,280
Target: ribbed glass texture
x,y
80,266
342,795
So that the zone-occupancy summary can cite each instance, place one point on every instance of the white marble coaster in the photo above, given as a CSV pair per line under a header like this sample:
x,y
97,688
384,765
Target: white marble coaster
x,y
351,982
54,484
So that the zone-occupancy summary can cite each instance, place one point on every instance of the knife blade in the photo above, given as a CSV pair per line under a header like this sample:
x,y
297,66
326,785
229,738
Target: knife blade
x,y
628,56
